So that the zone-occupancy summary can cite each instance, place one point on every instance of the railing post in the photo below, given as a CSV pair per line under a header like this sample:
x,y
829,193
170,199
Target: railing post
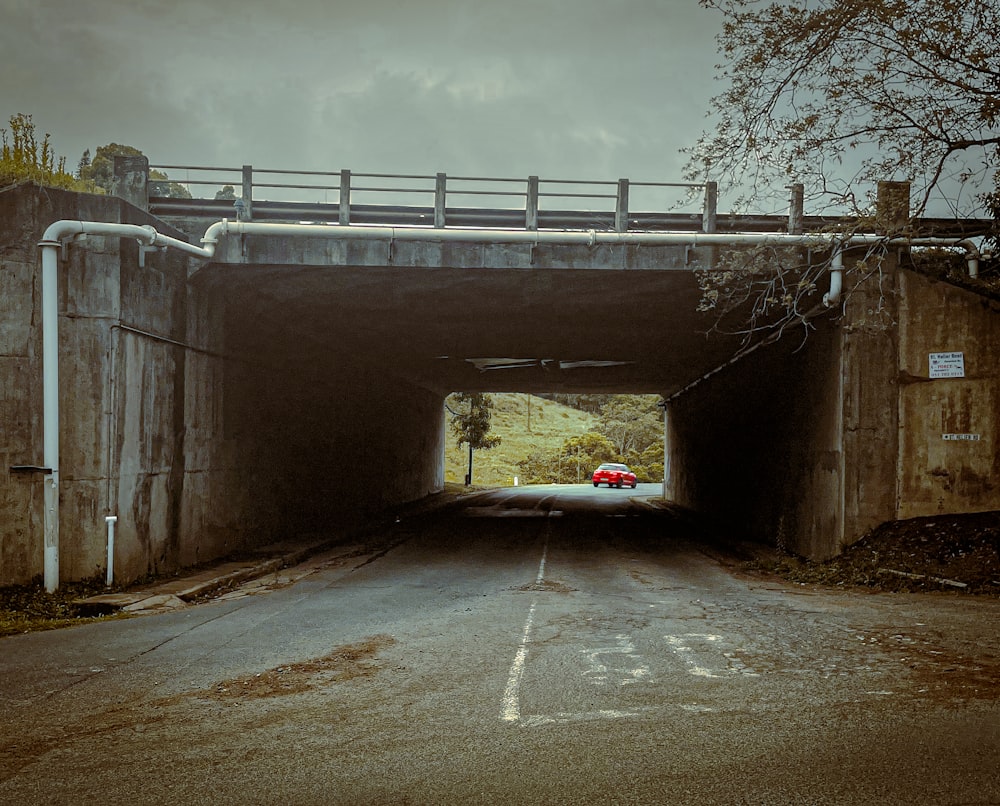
x,y
130,180
440,194
621,207
531,205
344,205
796,209
711,211
247,194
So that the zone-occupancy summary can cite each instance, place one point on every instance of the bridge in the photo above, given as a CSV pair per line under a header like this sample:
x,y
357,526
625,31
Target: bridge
x,y
225,381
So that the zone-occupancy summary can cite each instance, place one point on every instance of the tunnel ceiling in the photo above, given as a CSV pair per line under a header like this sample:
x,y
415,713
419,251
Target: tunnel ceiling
x,y
448,329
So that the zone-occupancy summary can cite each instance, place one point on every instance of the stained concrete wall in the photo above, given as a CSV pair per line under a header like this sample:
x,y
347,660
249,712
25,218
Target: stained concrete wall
x,y
758,446
809,445
938,474
171,420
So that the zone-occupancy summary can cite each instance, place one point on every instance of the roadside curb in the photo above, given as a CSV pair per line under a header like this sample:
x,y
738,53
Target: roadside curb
x,y
189,586
173,593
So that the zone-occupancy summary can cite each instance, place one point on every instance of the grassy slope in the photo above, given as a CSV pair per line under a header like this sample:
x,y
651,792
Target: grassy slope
x,y
551,424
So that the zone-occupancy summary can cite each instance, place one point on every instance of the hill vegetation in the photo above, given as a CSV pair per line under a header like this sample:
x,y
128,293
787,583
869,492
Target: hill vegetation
x,y
544,441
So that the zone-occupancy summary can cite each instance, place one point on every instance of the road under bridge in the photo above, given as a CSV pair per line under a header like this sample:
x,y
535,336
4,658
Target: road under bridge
x,y
296,379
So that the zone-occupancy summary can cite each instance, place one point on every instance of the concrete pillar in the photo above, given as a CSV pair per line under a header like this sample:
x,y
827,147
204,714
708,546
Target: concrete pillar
x,y
131,180
870,373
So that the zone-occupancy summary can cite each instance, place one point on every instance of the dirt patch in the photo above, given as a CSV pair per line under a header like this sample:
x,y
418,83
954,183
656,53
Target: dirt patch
x,y
344,663
958,553
29,608
552,587
940,673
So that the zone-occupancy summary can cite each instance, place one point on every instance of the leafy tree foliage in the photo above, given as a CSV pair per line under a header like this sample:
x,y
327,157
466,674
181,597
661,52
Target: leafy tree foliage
x,y
101,170
83,164
629,430
24,159
471,423
631,422
588,403
228,192
573,462
866,90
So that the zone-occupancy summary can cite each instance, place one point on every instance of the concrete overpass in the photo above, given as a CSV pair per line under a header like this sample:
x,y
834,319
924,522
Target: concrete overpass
x,y
293,382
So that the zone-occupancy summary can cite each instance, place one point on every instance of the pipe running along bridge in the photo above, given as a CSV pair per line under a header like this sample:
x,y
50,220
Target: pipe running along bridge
x,y
209,383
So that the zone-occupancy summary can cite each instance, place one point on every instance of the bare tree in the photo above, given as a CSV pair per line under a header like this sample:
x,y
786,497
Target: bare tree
x,y
838,95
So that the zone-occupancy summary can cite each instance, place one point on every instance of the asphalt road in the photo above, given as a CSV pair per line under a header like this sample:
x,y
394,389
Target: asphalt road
x,y
540,645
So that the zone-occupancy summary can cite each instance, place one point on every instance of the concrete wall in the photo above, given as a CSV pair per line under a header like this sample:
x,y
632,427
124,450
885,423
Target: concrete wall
x,y
937,474
170,419
128,392
758,445
808,446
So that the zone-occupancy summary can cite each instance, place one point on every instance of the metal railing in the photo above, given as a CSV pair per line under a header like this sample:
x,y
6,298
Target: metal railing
x,y
504,202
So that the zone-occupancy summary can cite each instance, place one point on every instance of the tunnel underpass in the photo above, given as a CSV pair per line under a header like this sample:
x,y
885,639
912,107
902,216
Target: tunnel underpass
x,y
290,385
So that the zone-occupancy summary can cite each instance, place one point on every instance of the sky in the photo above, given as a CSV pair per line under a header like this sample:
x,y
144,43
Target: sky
x,y
562,89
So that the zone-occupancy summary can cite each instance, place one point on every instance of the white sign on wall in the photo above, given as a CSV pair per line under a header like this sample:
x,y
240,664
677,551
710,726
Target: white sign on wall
x,y
961,437
946,365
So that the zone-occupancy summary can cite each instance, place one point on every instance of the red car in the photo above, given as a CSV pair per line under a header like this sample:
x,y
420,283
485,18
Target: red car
x,y
614,476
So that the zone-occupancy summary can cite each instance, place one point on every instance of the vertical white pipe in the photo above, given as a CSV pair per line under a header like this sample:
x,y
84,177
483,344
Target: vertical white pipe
x,y
50,245
50,410
832,297
111,520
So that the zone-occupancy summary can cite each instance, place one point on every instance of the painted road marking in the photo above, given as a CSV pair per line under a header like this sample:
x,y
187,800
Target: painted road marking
x,y
510,711
585,716
622,667
682,646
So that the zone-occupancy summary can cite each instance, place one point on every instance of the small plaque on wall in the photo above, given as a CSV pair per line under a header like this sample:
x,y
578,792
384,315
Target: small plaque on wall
x,y
946,365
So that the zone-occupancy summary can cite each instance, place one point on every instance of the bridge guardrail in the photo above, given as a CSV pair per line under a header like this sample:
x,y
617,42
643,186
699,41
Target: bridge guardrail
x,y
529,211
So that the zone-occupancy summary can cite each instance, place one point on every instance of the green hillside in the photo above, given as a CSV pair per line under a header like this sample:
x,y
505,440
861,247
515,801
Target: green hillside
x,y
525,424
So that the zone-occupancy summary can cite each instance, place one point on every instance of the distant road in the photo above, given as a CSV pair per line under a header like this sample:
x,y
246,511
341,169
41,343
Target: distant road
x,y
558,644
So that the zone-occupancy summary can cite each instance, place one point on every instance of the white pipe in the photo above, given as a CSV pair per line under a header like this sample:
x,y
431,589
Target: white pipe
x,y
566,237
111,520
972,257
50,416
832,297
50,245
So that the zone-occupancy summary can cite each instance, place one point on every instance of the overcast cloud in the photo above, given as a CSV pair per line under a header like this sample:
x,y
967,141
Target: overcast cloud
x,y
594,89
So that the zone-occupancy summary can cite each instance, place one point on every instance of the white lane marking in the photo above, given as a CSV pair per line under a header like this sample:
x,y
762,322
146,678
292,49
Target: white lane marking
x,y
541,566
510,710
679,644
599,672
496,511
585,716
